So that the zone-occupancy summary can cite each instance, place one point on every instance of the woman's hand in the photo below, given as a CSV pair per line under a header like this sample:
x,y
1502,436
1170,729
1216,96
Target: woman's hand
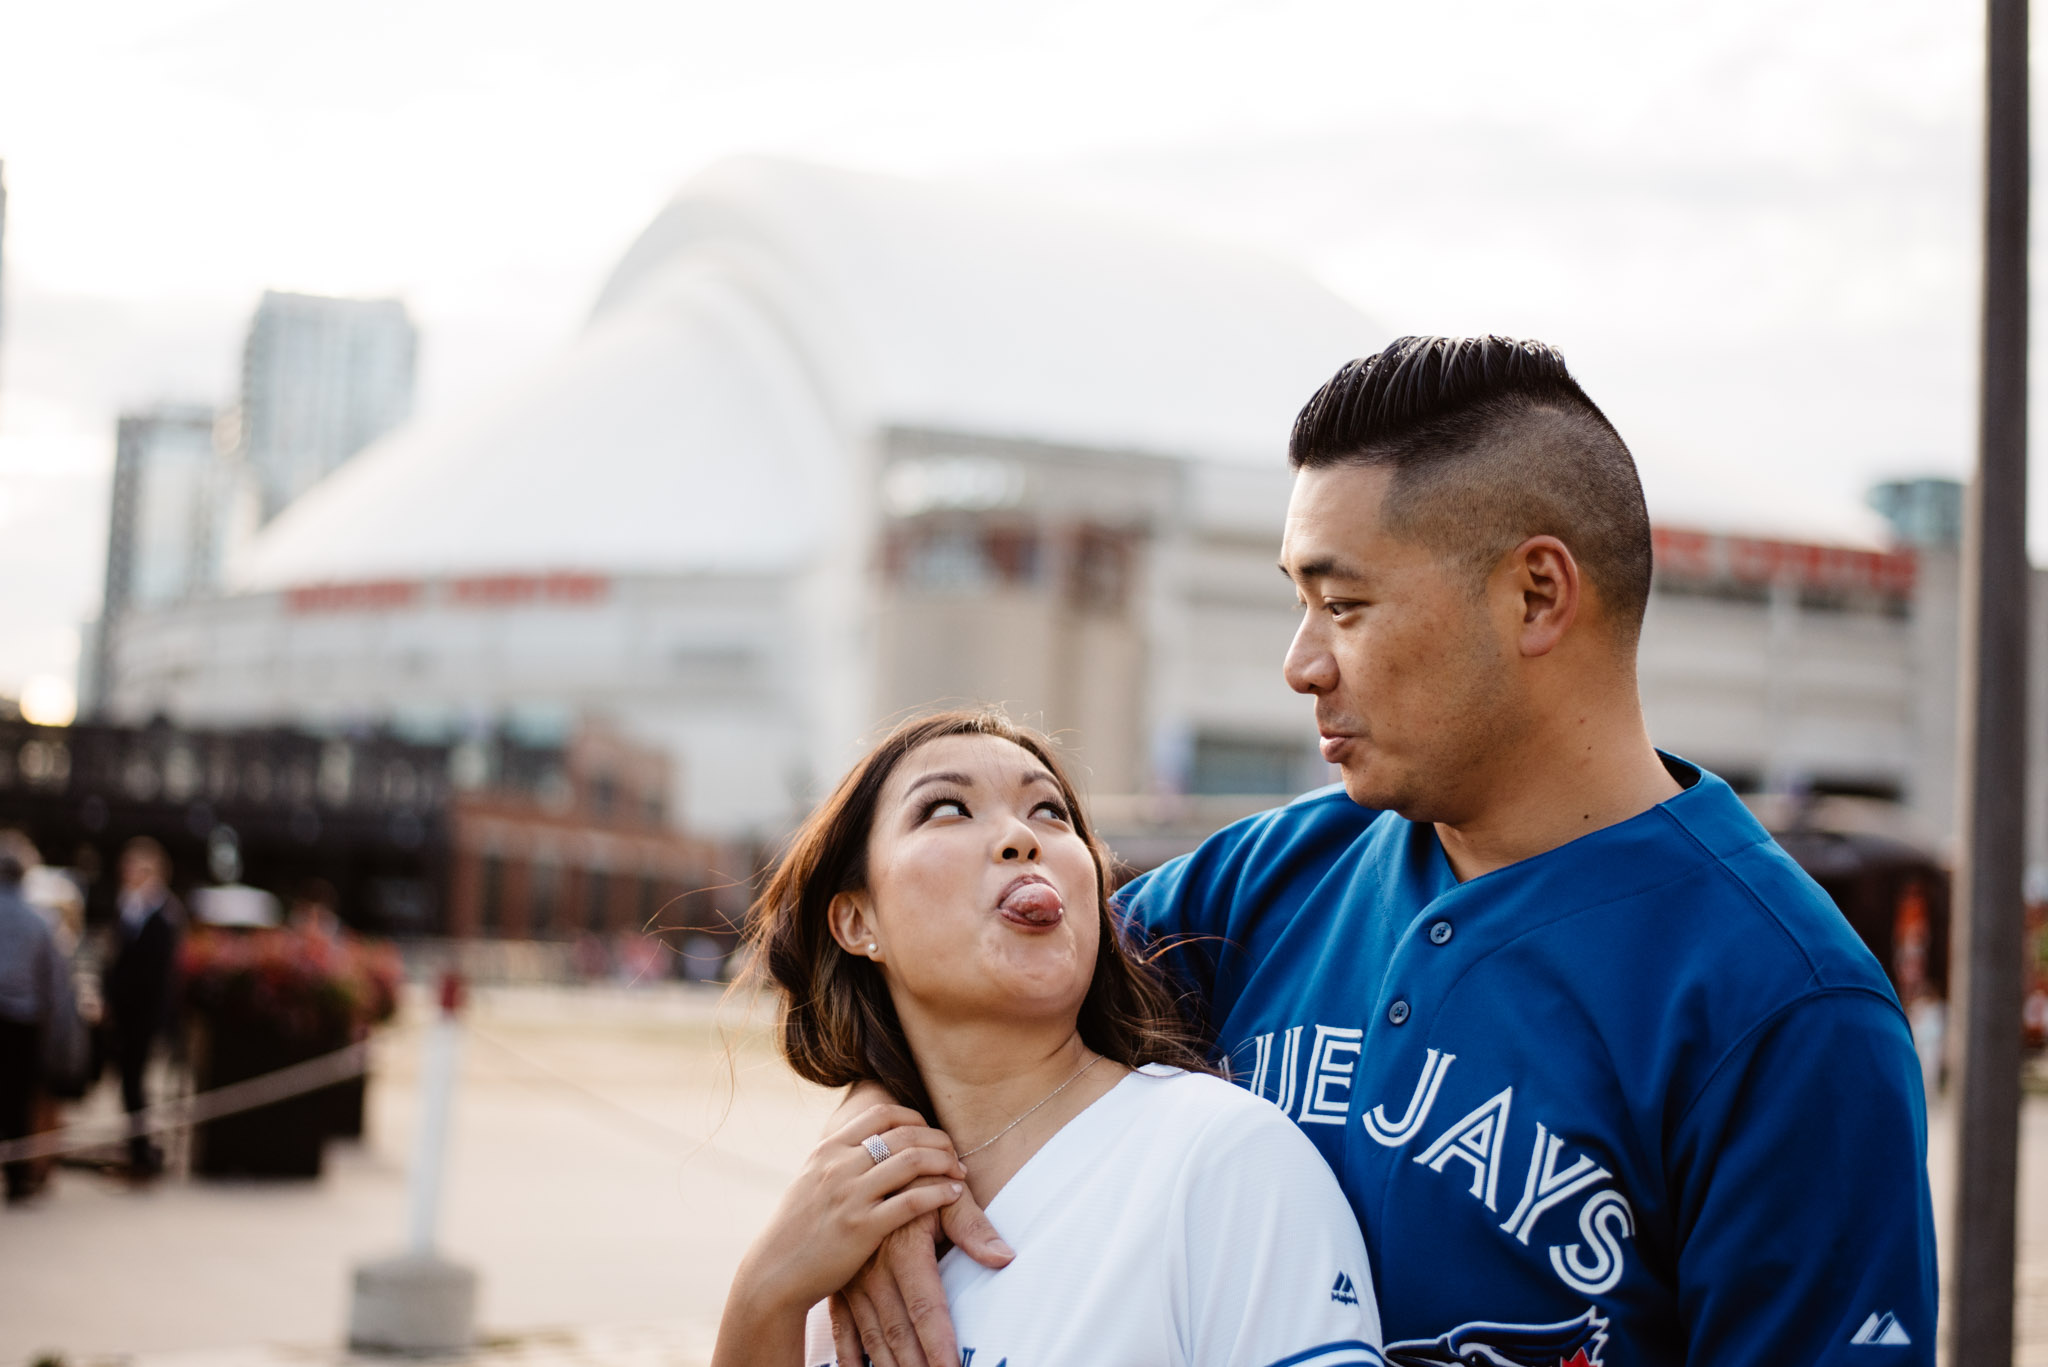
x,y
830,1221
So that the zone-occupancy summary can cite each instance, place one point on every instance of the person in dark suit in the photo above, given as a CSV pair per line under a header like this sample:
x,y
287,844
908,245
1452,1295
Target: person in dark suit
x,y
137,986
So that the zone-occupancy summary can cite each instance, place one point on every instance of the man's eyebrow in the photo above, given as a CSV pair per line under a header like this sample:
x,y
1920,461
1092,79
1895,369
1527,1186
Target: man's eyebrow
x,y
1323,567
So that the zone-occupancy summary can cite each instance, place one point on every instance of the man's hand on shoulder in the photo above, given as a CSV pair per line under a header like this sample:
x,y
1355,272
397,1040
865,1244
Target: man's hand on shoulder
x,y
897,1303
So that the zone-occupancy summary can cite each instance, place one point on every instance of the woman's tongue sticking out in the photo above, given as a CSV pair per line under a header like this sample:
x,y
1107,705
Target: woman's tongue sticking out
x,y
1033,904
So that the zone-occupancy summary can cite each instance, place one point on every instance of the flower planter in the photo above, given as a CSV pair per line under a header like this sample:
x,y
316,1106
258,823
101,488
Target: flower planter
x,y
263,1000
345,1101
284,1139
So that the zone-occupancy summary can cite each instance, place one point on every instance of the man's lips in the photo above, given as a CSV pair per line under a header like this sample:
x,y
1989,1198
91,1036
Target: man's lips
x,y
1032,902
1333,744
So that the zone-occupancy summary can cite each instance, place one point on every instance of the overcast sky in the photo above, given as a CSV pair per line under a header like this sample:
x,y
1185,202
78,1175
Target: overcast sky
x,y
1751,225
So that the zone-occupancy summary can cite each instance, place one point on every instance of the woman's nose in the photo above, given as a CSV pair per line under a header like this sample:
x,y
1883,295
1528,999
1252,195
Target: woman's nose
x,y
1025,850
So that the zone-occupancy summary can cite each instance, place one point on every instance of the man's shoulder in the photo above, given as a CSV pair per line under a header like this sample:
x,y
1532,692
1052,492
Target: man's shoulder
x,y
1267,859
1322,826
1750,901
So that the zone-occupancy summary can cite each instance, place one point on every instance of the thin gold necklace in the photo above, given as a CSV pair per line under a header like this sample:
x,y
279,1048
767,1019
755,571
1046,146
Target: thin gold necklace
x,y
1020,1119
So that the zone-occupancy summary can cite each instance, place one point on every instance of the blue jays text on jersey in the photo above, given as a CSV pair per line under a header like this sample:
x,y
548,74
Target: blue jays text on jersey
x,y
1642,1099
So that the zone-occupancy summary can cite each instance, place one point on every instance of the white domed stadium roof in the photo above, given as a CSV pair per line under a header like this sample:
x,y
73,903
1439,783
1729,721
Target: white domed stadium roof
x,y
709,416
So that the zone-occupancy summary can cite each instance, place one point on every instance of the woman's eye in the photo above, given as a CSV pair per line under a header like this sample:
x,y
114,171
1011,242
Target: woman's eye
x,y
1057,811
944,806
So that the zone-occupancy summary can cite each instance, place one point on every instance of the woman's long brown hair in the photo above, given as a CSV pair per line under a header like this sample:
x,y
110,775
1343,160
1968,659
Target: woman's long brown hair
x,y
839,1025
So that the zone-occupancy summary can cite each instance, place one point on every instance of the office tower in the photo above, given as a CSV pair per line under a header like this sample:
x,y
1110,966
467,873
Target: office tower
x,y
321,379
164,529
167,523
1926,512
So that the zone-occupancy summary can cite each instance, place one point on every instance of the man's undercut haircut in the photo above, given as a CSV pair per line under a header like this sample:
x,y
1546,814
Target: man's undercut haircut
x,y
1491,441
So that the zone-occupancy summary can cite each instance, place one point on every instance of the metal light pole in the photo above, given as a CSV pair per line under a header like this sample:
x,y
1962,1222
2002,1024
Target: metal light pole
x,y
1994,794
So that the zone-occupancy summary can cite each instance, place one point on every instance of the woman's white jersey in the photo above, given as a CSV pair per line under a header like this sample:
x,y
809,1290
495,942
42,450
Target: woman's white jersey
x,y
1179,1221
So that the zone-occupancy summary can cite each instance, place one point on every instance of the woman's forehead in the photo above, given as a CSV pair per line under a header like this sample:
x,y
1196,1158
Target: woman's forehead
x,y
980,761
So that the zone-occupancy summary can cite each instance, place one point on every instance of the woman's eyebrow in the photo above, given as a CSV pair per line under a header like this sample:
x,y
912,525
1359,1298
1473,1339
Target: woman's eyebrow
x,y
946,776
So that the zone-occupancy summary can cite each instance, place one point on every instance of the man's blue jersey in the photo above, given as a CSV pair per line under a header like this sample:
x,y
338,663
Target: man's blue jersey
x,y
1642,1099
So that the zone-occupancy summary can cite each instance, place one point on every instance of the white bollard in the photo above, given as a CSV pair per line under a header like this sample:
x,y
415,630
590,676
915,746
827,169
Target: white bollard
x,y
430,1144
419,1302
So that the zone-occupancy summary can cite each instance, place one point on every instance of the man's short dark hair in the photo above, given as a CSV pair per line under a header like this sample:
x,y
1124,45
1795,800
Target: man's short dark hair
x,y
1491,442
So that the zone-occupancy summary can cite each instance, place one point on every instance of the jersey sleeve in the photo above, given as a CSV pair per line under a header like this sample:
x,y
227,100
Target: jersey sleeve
x,y
1800,1184
1275,1272
1198,910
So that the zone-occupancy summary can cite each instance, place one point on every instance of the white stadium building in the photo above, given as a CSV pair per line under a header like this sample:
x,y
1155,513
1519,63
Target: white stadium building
x,y
830,446
833,446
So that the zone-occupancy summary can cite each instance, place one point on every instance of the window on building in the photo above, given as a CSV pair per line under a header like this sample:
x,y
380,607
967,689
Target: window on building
x,y
963,555
402,905
1101,570
950,559
597,887
491,897
1240,764
545,897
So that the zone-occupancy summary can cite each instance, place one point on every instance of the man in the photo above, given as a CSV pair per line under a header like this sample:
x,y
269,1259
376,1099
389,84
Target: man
x,y
137,984
1606,1078
35,1001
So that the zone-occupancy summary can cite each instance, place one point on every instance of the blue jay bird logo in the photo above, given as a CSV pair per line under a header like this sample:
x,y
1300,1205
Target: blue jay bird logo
x,y
1573,1343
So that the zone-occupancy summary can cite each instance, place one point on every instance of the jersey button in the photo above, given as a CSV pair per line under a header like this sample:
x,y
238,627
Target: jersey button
x,y
1397,1014
1440,933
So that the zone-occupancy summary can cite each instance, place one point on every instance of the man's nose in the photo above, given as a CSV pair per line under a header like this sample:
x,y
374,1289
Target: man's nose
x,y
1309,666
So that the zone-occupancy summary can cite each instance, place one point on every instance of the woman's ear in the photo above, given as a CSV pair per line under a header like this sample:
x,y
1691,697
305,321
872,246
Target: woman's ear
x,y
852,918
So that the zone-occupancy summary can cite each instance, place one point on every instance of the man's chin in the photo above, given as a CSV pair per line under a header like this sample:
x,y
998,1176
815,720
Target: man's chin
x,y
1379,790
1370,789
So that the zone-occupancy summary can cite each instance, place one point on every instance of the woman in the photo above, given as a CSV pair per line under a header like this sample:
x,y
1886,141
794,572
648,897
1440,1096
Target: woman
x,y
941,925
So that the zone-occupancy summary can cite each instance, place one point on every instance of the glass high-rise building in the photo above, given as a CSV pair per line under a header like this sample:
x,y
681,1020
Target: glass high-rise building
x,y
168,522
164,535
321,379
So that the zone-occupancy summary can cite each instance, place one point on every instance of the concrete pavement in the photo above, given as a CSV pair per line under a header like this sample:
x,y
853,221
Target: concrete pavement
x,y
613,1152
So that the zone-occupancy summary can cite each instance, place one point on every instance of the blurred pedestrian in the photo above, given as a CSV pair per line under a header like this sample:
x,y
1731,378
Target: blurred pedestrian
x,y
37,1017
138,981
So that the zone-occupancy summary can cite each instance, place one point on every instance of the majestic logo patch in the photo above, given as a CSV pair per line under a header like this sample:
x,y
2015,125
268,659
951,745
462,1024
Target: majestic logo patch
x,y
1574,1343
1344,1292
1882,1331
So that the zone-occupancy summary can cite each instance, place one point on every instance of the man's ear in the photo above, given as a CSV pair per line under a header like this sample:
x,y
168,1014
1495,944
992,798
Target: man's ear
x,y
1547,580
852,918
